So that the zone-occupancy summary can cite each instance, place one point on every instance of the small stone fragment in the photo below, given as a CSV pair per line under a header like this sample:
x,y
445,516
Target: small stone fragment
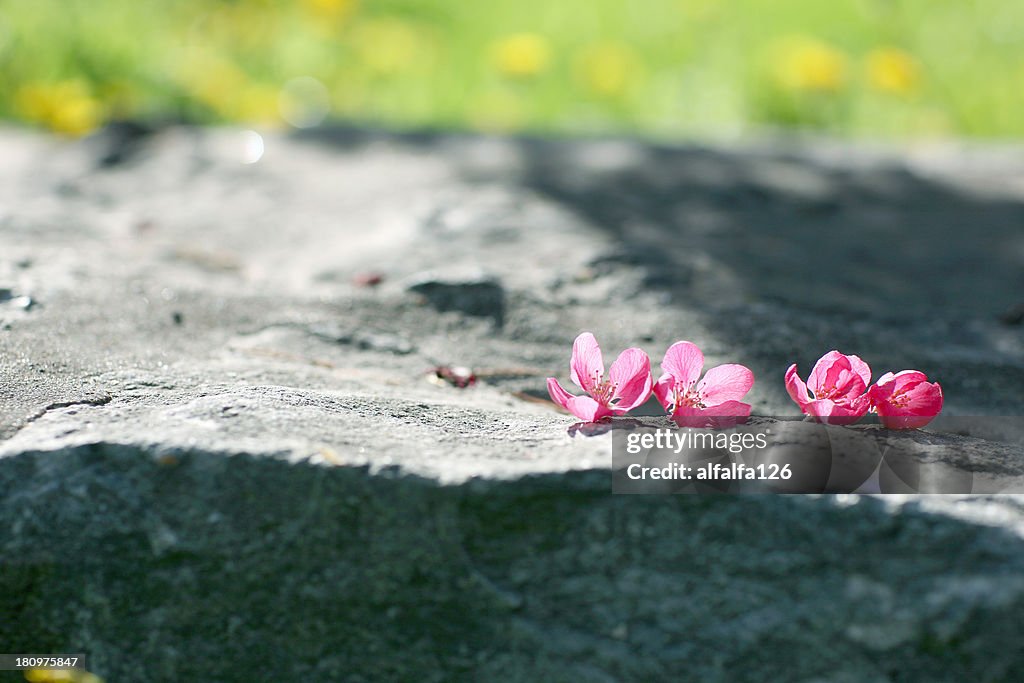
x,y
482,295
367,279
458,376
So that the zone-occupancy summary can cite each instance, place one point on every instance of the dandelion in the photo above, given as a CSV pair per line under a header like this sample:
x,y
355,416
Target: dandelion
x,y
258,103
329,10
61,676
892,70
67,107
606,69
521,55
808,64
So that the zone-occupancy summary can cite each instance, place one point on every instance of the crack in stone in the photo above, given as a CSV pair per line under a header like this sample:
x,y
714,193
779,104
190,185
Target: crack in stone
x,y
98,401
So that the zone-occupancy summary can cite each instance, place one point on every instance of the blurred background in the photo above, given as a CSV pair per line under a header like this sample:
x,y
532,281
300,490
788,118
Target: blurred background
x,y
660,68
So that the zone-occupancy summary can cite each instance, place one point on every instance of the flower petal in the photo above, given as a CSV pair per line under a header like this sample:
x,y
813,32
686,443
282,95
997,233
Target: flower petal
x,y
688,416
905,421
925,398
850,386
721,416
796,388
859,406
881,391
684,361
905,379
732,409
691,417
819,409
833,413
558,394
631,371
884,380
818,379
861,369
841,379
587,409
663,391
586,361
729,382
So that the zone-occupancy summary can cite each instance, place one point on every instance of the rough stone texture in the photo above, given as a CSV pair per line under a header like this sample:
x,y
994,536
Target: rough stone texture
x,y
223,459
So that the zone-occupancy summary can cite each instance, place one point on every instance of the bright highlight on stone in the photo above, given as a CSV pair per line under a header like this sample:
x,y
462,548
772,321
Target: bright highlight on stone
x,y
252,147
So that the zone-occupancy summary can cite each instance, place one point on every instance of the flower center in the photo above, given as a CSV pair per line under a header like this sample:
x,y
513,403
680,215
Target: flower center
x,y
603,390
899,398
686,396
833,393
828,392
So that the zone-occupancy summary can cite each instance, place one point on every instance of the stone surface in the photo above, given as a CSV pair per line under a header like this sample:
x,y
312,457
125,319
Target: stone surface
x,y
222,456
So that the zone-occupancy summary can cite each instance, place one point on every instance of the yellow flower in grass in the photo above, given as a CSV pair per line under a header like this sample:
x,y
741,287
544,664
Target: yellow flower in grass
x,y
892,70
66,106
326,17
521,55
606,69
329,10
257,103
808,64
61,676
212,79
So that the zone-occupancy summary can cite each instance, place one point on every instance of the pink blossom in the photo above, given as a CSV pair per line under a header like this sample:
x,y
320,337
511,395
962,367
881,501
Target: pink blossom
x,y
837,383
627,386
711,402
905,400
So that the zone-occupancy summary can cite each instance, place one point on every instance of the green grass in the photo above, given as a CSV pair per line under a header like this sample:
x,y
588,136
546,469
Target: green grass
x,y
657,67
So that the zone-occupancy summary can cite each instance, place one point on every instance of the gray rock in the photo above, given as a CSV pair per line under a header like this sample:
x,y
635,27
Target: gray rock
x,y
242,473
